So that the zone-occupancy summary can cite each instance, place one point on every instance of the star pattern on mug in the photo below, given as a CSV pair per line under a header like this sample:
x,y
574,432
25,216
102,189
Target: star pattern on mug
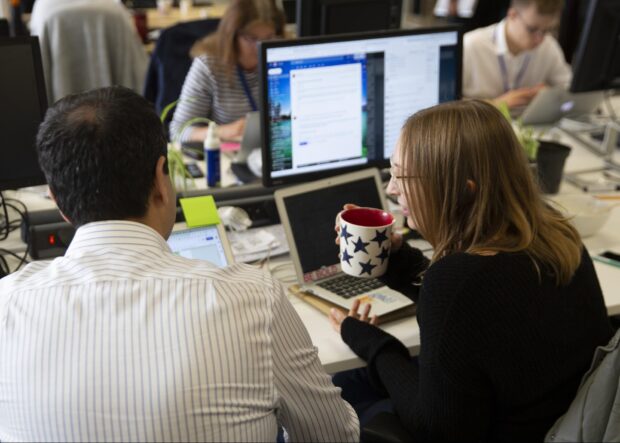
x,y
360,245
380,237
385,253
346,257
344,234
367,267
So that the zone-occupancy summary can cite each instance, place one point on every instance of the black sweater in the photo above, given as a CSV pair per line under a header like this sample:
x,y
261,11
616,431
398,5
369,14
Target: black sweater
x,y
502,351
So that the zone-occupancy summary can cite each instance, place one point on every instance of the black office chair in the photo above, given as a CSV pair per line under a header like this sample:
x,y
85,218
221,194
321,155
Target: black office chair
x,y
4,28
171,61
385,427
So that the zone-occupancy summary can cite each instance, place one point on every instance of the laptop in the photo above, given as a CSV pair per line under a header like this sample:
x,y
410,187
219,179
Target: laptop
x,y
208,243
242,165
552,104
307,213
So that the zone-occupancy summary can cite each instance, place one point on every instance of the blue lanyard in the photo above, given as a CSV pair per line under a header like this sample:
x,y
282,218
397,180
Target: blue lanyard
x,y
520,74
504,69
246,88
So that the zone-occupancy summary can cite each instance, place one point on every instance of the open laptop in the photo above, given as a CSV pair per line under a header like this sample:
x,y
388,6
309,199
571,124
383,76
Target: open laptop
x,y
307,213
552,104
242,165
208,243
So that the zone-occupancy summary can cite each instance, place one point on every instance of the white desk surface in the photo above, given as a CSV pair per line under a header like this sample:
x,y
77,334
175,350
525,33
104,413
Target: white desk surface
x,y
334,354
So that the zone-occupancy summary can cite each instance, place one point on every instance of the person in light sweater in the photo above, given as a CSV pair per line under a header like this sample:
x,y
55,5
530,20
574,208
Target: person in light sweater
x,y
512,60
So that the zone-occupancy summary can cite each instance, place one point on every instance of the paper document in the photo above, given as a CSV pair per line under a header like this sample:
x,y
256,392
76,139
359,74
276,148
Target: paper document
x,y
465,8
258,243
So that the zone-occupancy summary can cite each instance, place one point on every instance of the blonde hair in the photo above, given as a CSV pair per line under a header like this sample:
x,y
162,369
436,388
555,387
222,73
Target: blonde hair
x,y
545,7
469,189
238,16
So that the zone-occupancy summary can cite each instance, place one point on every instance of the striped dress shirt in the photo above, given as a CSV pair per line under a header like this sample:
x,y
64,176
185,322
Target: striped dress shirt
x,y
121,340
210,91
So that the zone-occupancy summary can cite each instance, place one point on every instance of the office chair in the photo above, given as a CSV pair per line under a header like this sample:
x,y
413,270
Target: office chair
x,y
4,28
88,44
170,61
385,427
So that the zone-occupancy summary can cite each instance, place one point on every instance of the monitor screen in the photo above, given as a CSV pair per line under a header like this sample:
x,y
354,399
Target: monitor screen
x,y
203,243
596,63
23,104
326,17
334,104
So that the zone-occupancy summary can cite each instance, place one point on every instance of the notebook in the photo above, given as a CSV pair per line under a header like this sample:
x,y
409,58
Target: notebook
x,y
250,143
552,104
208,243
307,213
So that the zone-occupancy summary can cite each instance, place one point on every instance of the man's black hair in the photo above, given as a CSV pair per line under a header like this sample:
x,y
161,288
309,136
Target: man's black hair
x,y
98,150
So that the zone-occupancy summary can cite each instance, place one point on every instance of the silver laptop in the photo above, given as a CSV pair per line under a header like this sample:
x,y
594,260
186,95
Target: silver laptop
x,y
249,150
208,243
552,104
307,213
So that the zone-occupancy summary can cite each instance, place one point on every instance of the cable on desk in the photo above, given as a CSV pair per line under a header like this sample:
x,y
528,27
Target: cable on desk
x,y
288,277
5,214
610,108
10,226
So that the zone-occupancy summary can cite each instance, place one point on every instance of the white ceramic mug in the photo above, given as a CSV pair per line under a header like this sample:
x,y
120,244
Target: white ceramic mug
x,y
365,241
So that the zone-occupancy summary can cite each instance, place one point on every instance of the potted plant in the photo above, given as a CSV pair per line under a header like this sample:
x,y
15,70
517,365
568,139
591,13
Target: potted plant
x,y
546,157
178,173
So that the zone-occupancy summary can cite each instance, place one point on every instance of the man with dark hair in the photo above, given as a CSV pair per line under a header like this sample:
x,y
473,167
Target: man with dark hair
x,y
120,339
512,60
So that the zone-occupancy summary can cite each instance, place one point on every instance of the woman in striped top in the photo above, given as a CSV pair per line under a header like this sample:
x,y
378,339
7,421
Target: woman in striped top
x,y
222,83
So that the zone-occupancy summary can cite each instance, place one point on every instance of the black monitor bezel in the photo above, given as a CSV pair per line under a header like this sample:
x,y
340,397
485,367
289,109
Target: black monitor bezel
x,y
581,61
33,42
267,180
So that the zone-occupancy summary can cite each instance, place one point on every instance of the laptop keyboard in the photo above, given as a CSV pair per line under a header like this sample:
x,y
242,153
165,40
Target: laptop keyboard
x,y
347,286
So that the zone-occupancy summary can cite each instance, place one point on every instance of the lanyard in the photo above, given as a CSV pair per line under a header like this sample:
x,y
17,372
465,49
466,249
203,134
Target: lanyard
x,y
504,69
520,74
246,88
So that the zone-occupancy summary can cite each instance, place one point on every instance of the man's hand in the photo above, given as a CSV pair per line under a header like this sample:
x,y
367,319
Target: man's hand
x,y
519,97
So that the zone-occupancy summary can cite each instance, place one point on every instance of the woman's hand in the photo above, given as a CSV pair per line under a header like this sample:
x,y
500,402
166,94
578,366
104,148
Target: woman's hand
x,y
232,131
337,316
337,225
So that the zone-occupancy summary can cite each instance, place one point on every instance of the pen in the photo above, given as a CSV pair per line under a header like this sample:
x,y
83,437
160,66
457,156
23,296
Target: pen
x,y
606,260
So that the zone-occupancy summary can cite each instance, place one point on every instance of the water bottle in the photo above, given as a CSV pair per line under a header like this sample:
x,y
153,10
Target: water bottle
x,y
212,156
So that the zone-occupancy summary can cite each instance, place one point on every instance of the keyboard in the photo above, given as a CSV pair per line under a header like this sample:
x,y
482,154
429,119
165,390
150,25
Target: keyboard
x,y
347,286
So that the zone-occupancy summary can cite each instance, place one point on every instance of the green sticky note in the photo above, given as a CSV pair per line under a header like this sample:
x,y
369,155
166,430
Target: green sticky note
x,y
200,211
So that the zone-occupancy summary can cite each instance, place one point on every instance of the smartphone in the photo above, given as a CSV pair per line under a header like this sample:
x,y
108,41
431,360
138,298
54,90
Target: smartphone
x,y
609,257
194,170
193,150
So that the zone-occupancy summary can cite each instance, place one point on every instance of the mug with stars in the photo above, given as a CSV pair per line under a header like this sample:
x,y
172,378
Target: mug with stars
x,y
365,240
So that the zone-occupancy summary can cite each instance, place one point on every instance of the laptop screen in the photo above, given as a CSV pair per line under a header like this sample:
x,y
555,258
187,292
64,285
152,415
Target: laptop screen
x,y
203,243
311,217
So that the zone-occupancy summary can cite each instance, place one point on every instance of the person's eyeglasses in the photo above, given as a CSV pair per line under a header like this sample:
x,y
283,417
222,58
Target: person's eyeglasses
x,y
252,39
396,176
534,30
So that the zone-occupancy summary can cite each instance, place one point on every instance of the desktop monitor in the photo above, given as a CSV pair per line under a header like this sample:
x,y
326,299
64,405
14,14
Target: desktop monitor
x,y
326,17
23,103
334,104
596,63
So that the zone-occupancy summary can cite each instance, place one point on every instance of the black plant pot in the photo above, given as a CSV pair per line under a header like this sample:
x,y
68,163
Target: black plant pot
x,y
550,165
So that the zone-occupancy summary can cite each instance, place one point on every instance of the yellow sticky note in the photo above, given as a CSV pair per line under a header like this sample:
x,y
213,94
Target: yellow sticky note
x,y
200,211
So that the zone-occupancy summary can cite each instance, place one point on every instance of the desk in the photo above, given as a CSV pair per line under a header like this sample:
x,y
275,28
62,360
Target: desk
x,y
155,19
336,356
333,353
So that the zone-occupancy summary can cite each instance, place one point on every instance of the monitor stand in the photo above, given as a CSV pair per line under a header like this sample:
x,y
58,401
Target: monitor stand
x,y
605,150
243,173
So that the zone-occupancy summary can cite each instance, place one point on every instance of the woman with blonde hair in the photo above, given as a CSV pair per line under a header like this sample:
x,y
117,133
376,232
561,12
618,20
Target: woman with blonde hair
x,y
222,83
509,307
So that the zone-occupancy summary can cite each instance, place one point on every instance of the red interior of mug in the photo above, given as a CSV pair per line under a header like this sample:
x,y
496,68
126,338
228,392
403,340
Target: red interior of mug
x,y
367,217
